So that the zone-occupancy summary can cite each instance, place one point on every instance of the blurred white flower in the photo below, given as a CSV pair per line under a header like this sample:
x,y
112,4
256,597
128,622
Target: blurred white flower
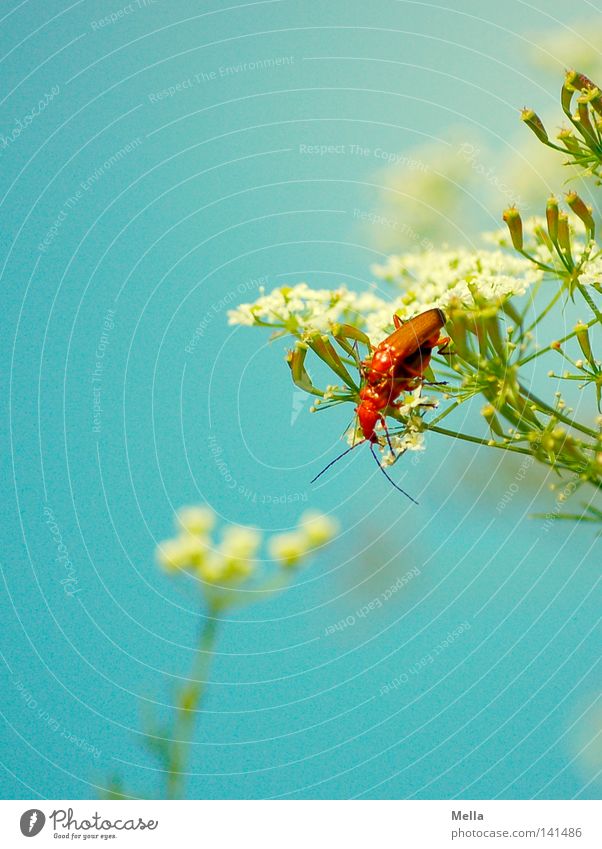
x,y
234,560
212,569
172,555
240,542
288,549
557,48
196,520
184,552
317,527
238,548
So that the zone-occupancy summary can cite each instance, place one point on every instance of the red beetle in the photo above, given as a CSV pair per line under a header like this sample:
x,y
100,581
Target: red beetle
x,y
396,365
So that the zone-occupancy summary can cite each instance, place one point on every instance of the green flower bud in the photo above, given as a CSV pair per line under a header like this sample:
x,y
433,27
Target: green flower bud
x,y
541,236
564,237
582,333
594,99
568,90
583,83
515,225
488,413
552,218
533,121
582,211
583,123
569,140
296,362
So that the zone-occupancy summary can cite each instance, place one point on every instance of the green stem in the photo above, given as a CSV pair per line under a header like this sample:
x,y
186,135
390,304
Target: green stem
x,y
548,348
552,411
597,484
236,598
184,722
545,311
445,412
479,441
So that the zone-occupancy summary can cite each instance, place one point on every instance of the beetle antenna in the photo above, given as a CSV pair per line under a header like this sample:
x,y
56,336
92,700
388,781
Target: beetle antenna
x,y
388,477
389,443
336,459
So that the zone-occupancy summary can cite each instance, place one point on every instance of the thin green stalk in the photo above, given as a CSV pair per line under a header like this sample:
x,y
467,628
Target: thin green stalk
x,y
548,348
545,311
445,413
236,597
514,448
479,441
552,411
589,301
184,722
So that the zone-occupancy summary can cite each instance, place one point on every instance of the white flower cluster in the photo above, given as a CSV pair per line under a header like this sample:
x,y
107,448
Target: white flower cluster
x,y
591,273
423,280
234,558
391,446
314,530
435,278
301,310
409,440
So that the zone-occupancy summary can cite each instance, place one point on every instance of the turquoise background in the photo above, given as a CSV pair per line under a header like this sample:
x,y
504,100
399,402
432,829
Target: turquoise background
x,y
215,195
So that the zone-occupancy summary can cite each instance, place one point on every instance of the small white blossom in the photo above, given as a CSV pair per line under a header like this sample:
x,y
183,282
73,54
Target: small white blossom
x,y
434,278
243,315
298,309
410,440
591,272
414,400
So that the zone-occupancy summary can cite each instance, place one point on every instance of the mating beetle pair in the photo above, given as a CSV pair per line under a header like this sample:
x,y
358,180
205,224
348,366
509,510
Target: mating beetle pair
x,y
395,365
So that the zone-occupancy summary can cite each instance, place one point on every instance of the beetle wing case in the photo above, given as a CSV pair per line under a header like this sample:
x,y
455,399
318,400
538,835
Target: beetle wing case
x,y
406,340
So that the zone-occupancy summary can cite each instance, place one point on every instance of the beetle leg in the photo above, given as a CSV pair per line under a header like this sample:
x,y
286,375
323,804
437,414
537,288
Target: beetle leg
x,y
383,421
411,372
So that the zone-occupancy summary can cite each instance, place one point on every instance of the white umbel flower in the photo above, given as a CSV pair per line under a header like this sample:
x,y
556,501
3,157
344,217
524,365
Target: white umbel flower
x,y
416,282
591,273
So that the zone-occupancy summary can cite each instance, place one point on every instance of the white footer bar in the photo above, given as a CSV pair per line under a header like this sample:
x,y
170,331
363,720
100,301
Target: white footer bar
x,y
304,824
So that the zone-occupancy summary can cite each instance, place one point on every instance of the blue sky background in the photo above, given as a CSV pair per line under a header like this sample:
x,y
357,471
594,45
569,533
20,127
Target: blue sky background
x,y
213,192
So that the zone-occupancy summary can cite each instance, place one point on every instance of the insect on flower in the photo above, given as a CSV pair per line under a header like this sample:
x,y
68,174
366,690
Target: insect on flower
x,y
395,365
